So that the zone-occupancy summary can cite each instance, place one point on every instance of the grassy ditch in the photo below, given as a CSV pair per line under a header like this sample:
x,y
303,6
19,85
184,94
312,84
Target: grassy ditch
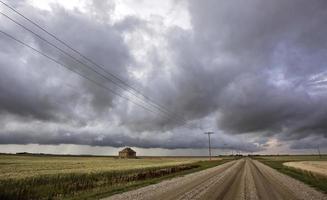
x,y
93,185
315,180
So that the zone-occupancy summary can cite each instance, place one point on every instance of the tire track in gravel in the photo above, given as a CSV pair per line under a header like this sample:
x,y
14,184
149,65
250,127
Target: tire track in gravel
x,y
267,188
227,177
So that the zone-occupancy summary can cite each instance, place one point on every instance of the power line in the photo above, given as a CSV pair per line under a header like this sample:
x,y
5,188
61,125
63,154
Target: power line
x,y
125,86
78,61
80,74
74,71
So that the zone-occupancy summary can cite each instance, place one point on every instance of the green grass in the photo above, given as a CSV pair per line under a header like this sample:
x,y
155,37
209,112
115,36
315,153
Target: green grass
x,y
64,177
315,180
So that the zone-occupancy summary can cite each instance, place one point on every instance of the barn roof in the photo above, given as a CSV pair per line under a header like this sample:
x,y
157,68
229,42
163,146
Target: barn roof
x,y
128,150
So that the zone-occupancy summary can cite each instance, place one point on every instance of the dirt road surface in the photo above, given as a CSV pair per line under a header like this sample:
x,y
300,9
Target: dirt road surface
x,y
242,179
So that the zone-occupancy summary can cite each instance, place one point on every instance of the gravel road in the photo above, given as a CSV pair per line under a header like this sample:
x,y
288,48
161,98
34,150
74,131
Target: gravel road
x,y
241,179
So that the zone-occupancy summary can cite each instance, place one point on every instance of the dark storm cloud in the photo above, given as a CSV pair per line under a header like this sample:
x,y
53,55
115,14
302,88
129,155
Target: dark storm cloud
x,y
120,137
252,67
310,142
250,104
23,93
252,62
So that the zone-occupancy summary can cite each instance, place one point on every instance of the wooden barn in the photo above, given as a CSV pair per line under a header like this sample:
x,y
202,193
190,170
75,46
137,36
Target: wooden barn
x,y
127,153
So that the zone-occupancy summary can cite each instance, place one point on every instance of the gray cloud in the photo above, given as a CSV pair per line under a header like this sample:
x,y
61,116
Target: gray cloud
x,y
252,62
27,96
252,70
310,142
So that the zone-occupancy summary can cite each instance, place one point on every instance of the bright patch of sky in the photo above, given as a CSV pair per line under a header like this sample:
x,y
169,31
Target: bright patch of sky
x,y
159,15
172,12
46,4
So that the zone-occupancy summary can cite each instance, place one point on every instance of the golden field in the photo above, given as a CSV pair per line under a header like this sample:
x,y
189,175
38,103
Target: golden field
x,y
319,167
30,176
22,166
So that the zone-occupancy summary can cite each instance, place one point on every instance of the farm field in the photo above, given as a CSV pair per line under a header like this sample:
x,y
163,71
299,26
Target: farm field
x,y
319,167
22,166
311,178
76,177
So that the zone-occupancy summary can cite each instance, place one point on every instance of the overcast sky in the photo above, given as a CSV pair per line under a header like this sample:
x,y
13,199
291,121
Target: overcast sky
x,y
254,72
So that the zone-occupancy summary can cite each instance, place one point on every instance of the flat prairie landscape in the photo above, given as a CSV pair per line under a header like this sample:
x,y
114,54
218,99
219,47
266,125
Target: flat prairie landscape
x,y
70,177
94,177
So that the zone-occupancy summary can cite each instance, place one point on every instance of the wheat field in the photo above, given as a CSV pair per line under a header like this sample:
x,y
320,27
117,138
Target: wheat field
x,y
87,177
22,166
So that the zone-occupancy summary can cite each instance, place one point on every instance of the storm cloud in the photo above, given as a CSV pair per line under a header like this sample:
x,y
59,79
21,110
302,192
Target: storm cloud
x,y
259,65
249,70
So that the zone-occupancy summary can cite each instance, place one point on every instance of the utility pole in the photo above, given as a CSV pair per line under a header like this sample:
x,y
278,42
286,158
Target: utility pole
x,y
209,133
319,151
